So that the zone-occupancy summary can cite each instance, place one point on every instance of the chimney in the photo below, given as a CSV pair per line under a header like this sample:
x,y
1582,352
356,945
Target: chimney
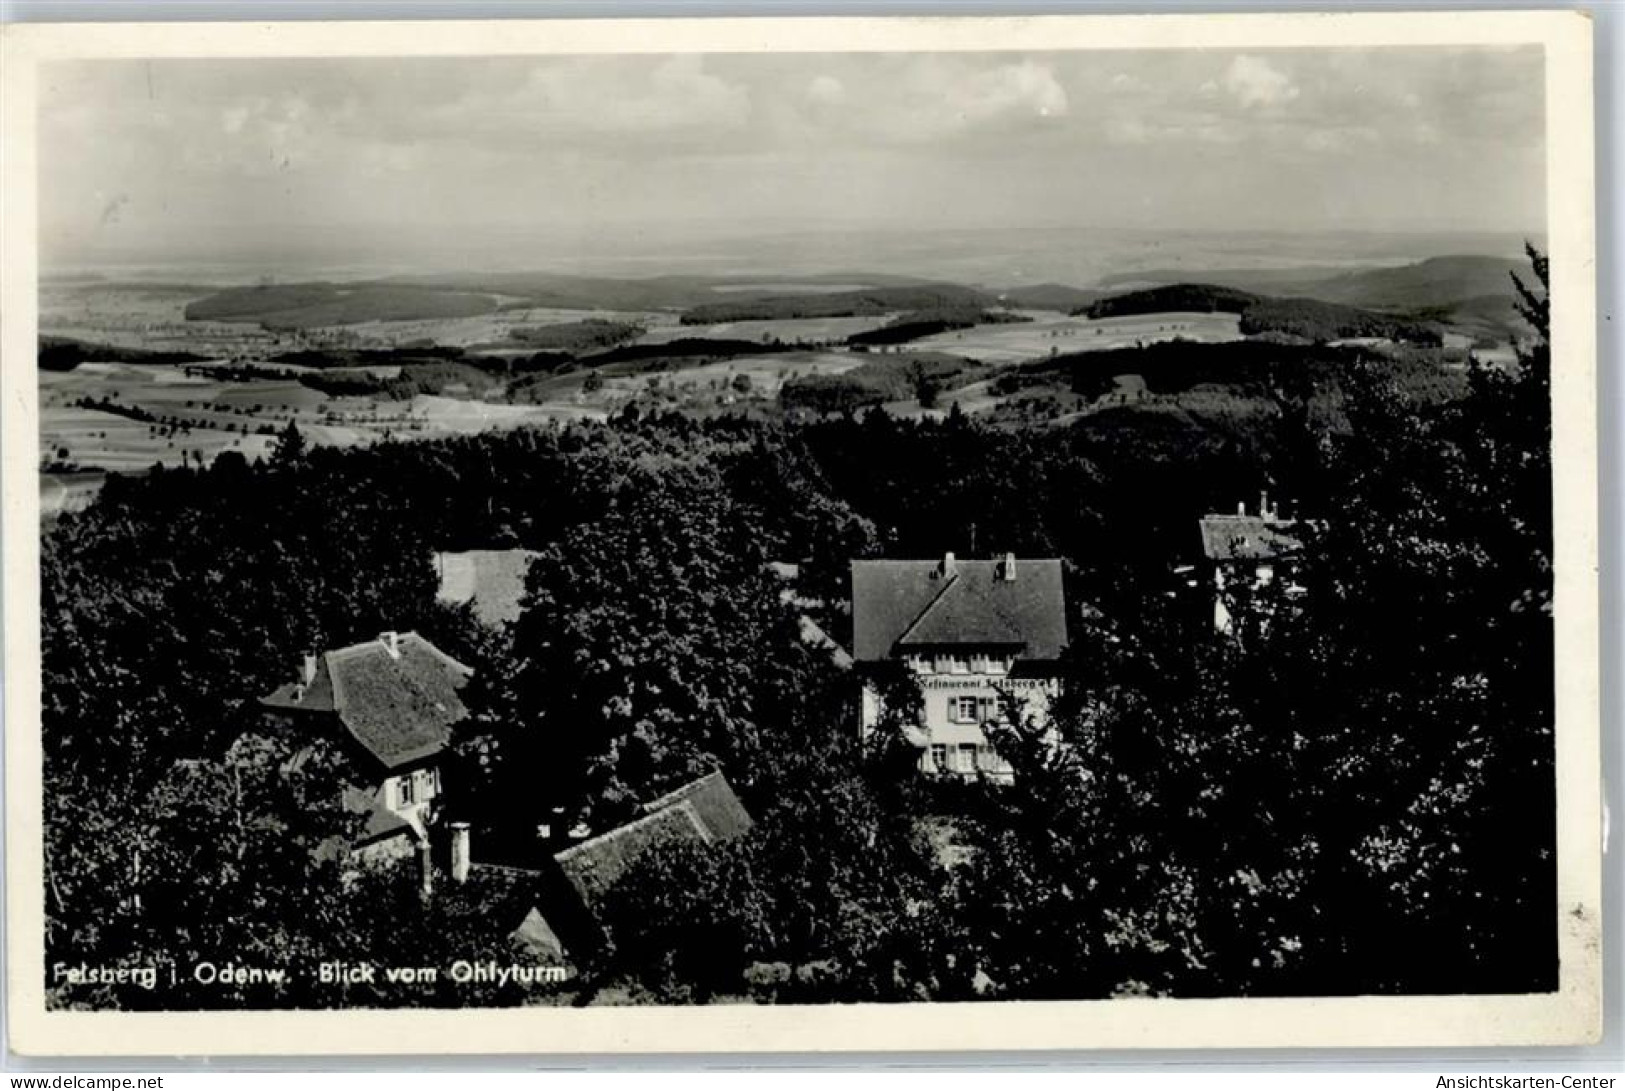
x,y
1241,508
307,671
459,852
426,867
1007,571
391,641
1264,505
947,565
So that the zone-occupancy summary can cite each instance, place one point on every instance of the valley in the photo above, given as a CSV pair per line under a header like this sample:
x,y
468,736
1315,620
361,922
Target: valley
x,y
142,373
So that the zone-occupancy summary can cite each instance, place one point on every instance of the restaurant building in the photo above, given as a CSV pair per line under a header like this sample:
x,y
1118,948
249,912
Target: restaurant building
x,y
975,636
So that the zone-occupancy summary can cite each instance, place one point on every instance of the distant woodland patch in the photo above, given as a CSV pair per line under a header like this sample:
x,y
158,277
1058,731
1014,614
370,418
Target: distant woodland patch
x,y
302,306
1308,319
67,353
583,336
852,304
918,324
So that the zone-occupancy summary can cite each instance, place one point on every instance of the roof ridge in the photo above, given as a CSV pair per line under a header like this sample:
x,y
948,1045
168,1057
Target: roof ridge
x,y
680,793
684,806
339,701
947,584
433,649
957,560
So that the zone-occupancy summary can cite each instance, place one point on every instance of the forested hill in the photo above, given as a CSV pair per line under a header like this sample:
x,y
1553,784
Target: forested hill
x,y
1433,282
1172,297
1306,319
858,303
322,303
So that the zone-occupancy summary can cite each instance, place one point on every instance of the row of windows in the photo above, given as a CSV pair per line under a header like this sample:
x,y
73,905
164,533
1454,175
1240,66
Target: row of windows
x,y
967,758
972,709
419,786
960,664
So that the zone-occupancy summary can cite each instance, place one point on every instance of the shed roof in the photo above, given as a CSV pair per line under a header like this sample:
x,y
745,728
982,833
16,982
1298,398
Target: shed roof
x,y
898,605
1247,538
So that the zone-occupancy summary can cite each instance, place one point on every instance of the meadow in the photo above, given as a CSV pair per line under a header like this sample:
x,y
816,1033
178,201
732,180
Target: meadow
x,y
1049,333
788,330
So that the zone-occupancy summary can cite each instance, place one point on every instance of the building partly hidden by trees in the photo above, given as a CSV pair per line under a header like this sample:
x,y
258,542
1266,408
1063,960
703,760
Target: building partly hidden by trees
x,y
1356,797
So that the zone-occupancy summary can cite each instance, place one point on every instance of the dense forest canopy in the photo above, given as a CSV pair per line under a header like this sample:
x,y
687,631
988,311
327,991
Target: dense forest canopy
x,y
1354,795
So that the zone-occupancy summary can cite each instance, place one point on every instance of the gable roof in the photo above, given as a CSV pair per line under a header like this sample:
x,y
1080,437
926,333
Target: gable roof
x,y
1247,538
716,807
703,812
399,706
903,604
491,580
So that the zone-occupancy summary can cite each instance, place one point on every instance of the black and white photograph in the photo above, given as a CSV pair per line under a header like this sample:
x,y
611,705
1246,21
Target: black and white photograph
x,y
1067,518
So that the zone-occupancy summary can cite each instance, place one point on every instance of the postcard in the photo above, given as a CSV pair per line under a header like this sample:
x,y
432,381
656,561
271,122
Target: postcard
x,y
801,535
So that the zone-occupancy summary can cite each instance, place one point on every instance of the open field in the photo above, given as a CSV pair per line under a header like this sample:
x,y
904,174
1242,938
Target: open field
x,y
766,373
486,329
789,330
106,441
145,317
447,415
201,415
1047,333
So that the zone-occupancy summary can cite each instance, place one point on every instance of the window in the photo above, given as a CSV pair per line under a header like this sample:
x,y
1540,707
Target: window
x,y
939,756
965,758
964,710
403,791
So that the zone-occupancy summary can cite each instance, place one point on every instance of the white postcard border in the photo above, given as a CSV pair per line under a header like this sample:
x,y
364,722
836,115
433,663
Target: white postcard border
x,y
1571,1015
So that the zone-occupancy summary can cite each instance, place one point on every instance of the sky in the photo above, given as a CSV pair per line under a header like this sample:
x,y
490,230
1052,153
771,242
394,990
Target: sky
x,y
669,151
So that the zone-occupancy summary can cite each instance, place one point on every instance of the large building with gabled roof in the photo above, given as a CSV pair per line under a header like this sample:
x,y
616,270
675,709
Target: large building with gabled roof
x,y
1247,552
971,632
393,702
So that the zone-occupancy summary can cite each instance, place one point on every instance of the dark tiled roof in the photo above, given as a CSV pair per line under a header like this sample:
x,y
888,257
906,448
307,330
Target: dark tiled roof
x,y
900,604
1247,538
399,707
294,696
493,580
715,805
594,866
703,812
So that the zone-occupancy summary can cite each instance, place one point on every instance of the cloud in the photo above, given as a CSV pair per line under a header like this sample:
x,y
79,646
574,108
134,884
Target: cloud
x,y
826,90
675,95
939,97
1028,89
1256,82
